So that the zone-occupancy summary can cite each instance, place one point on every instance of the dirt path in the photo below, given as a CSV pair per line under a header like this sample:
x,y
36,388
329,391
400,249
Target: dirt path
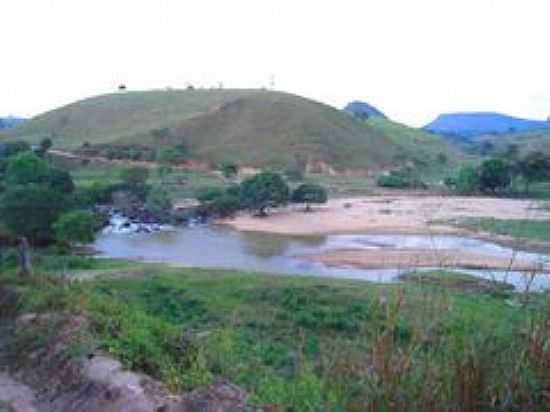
x,y
389,214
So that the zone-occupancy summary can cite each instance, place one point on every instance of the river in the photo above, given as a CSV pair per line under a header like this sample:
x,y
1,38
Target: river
x,y
212,246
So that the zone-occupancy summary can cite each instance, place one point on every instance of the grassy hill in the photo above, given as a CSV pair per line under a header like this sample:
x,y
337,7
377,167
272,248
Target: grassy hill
x,y
526,142
250,127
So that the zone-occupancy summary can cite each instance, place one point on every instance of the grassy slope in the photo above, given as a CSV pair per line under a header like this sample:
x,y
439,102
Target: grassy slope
x,y
422,148
252,127
306,343
526,142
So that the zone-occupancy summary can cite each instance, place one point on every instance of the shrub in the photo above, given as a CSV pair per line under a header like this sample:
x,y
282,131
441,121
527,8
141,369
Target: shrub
x,y
400,180
134,176
467,180
158,201
75,227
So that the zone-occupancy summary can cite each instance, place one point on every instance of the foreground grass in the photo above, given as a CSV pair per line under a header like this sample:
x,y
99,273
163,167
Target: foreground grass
x,y
518,228
310,344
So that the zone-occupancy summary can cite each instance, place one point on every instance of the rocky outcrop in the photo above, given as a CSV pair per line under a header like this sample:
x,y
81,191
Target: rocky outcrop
x,y
44,379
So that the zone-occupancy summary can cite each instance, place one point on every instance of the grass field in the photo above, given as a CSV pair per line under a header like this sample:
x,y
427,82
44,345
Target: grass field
x,y
518,228
310,344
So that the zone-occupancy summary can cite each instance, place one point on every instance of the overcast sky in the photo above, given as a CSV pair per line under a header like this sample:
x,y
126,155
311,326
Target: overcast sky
x,y
412,59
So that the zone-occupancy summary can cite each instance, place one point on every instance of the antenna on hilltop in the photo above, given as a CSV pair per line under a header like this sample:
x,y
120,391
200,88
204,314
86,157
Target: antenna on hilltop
x,y
272,82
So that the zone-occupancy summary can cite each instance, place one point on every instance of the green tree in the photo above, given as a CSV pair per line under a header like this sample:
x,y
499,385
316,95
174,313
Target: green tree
x,y
309,193
46,144
494,175
134,176
25,168
59,180
229,169
534,167
31,210
264,190
466,181
75,227
158,201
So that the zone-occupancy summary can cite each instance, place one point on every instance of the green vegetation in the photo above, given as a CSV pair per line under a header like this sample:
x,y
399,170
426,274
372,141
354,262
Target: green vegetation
x,y
78,226
518,228
158,201
309,193
256,128
264,190
400,179
309,344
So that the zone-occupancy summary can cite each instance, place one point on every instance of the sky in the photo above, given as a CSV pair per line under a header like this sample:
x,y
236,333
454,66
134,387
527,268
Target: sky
x,y
411,59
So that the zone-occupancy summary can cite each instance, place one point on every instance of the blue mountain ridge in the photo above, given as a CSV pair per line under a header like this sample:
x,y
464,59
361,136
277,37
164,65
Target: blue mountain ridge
x,y
471,124
10,122
363,110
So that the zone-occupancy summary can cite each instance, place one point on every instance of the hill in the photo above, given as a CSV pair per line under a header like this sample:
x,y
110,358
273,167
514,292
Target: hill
x,y
533,141
467,125
10,122
363,110
251,127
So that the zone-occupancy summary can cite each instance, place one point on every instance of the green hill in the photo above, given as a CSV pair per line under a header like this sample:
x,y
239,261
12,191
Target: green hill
x,y
525,142
250,127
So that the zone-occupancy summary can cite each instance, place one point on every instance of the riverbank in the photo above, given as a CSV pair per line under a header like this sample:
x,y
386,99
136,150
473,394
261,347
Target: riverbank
x,y
388,214
420,258
293,342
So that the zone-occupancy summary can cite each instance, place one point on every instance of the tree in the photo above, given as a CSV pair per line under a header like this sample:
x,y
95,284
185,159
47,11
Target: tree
x,y
309,193
494,175
75,227
25,168
534,167
45,144
158,201
59,180
465,182
31,210
134,176
264,190
229,169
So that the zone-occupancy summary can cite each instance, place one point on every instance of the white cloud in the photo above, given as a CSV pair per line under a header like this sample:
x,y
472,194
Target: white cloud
x,y
414,59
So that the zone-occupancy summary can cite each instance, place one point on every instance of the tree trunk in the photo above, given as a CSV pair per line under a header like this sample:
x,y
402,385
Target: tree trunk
x,y
24,257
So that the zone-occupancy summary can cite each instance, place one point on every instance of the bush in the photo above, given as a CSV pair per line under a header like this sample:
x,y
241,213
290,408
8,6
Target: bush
x,y
209,194
400,180
158,202
466,180
75,227
134,176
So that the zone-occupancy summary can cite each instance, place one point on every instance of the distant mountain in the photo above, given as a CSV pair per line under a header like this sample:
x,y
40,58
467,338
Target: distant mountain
x,y
363,110
466,125
10,122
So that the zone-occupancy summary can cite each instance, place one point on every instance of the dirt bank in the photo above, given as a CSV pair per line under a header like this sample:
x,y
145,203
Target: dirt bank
x,y
388,214
416,258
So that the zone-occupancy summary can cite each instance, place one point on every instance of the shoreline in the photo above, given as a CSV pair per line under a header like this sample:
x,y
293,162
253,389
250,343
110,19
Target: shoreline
x,y
398,214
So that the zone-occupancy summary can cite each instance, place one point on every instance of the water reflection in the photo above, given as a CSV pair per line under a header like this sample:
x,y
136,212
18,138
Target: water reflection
x,y
221,247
